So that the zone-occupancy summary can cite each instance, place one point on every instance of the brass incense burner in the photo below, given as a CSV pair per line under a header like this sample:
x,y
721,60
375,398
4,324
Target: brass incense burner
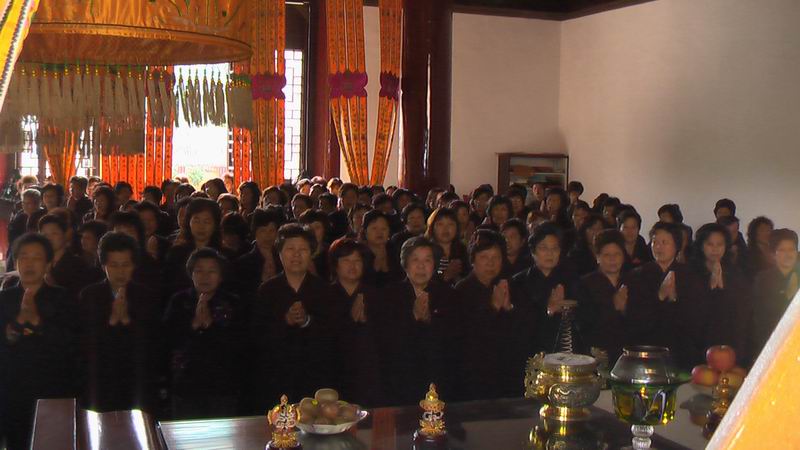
x,y
567,384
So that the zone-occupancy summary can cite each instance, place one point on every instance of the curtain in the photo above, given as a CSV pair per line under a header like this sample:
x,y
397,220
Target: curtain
x,y
145,169
241,142
267,71
15,20
61,157
348,81
391,13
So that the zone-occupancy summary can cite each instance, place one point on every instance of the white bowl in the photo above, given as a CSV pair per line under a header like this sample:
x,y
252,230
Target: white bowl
x,y
331,429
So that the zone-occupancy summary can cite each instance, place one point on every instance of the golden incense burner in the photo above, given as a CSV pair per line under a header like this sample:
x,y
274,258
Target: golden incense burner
x,y
431,426
567,384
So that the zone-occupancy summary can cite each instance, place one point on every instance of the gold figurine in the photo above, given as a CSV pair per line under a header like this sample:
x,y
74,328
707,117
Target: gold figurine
x,y
432,423
283,419
722,396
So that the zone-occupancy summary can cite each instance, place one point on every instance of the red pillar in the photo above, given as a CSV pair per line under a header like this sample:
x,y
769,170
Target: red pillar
x,y
426,91
323,147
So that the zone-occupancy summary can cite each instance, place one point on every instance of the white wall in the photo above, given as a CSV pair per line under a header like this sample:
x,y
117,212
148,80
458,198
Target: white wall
x,y
505,93
687,101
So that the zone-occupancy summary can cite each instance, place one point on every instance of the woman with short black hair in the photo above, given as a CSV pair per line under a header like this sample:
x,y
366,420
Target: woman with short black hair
x,y
498,211
105,203
205,334
724,295
636,250
581,257
320,225
759,256
249,198
443,230
374,234
518,256
411,320
37,346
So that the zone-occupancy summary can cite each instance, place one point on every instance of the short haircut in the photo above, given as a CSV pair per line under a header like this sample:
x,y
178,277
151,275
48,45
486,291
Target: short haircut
x,y
295,230
264,217
106,191
727,221
34,238
438,215
283,199
218,183
673,210
725,203
97,228
780,235
486,189
370,217
197,206
115,241
752,228
184,190
703,233
514,192
380,199
234,223
516,224
335,181
344,247
608,237
612,202
673,229
400,192
83,182
410,208
32,193
327,197
629,214
347,187
414,243
312,215
499,200
120,185
205,253
57,188
575,186
128,218
306,199
591,220
146,205
541,232
153,191
484,240
54,219
228,198
365,190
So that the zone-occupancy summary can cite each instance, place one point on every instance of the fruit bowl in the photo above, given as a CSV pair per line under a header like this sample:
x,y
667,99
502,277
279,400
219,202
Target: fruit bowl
x,y
330,429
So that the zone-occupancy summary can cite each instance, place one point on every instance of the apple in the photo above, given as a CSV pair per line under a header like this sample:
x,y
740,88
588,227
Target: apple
x,y
721,357
735,379
705,376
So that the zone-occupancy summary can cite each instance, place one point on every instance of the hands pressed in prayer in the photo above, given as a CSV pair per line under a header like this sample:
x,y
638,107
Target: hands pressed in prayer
x,y
119,309
357,311
453,271
422,310
296,316
501,298
667,291
28,312
621,299
557,303
717,281
202,314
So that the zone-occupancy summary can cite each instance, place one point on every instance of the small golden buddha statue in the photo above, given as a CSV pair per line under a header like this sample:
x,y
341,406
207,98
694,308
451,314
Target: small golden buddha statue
x,y
431,426
283,420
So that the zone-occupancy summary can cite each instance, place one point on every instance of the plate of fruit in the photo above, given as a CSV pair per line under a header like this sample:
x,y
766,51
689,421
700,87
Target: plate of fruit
x,y
720,363
326,414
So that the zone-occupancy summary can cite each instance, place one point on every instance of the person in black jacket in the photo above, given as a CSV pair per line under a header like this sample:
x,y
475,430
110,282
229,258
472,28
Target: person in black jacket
x,y
353,304
581,257
636,250
31,203
290,324
262,262
205,334
120,333
662,300
414,224
78,202
545,295
36,342
774,288
412,319
385,268
68,270
724,294
518,257
485,340
442,229
603,298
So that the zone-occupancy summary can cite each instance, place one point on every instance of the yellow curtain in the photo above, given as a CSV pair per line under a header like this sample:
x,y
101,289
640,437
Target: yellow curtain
x,y
267,71
15,21
348,81
391,12
61,156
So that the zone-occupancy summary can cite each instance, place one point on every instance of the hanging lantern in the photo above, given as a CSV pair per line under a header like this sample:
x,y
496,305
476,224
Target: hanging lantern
x,y
151,32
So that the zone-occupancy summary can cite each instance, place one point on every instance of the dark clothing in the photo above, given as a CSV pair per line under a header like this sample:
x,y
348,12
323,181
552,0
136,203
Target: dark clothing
x,y
339,224
73,273
35,361
488,360
292,360
320,261
458,251
601,325
16,228
205,361
120,361
673,324
771,298
383,279
81,207
582,260
524,262
530,291
755,262
412,351
247,274
641,255
357,367
398,239
174,268
725,313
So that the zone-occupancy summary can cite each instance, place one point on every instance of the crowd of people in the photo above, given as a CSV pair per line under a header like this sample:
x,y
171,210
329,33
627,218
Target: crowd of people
x,y
214,302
